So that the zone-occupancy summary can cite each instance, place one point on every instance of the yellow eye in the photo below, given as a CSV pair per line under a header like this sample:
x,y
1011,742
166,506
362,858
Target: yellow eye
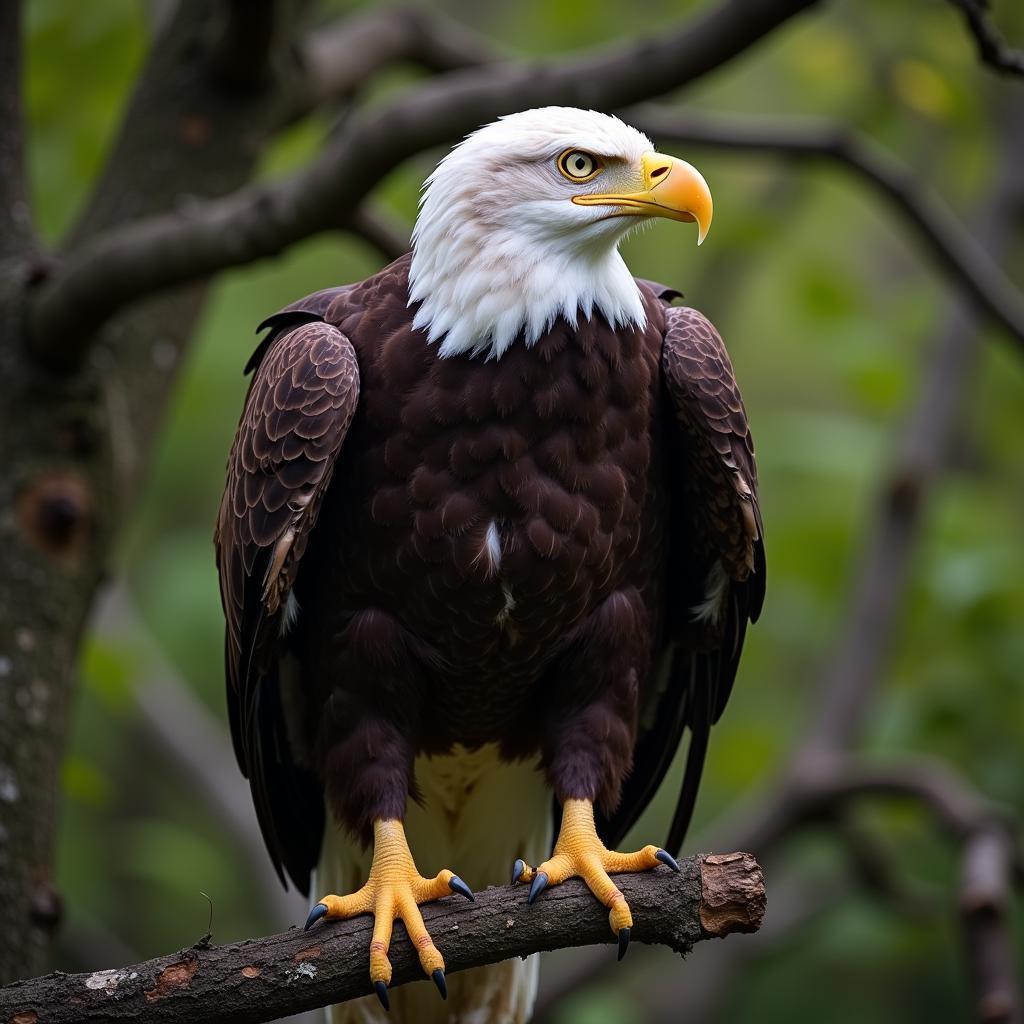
x,y
578,166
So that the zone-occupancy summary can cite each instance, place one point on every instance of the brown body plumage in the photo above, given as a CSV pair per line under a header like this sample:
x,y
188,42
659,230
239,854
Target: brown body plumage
x,y
481,551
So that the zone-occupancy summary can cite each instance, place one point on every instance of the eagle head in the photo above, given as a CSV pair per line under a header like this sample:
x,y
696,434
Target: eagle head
x,y
520,224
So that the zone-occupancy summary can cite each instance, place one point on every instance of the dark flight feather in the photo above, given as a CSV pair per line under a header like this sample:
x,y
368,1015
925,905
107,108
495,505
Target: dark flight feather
x,y
300,404
713,515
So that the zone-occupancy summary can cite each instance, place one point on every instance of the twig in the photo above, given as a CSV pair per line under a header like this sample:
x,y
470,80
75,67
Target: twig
x,y
955,805
127,262
262,979
15,213
986,877
953,248
992,49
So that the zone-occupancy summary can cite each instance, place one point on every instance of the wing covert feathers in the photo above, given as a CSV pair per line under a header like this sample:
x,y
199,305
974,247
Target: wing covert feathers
x,y
298,410
716,570
720,478
717,498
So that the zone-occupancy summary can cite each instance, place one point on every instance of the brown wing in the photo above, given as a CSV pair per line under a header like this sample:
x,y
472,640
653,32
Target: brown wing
x,y
296,415
716,564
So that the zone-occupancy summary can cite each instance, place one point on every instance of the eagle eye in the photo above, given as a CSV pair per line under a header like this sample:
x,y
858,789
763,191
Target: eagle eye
x,y
577,165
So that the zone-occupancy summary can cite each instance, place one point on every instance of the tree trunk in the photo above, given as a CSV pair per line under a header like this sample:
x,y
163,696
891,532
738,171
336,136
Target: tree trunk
x,y
75,444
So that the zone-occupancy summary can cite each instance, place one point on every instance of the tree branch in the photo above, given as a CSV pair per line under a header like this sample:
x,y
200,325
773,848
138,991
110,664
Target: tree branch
x,y
986,876
15,213
262,979
990,856
384,233
131,261
341,57
992,49
955,805
953,248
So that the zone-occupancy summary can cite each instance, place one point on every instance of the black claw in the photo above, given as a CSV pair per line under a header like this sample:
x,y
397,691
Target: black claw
x,y
517,869
442,985
382,994
666,858
456,884
623,942
540,883
320,910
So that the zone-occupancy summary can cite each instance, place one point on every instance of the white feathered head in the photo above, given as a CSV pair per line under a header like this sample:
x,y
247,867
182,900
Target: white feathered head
x,y
520,223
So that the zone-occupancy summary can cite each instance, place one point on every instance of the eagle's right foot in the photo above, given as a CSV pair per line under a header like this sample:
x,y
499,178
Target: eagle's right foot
x,y
394,889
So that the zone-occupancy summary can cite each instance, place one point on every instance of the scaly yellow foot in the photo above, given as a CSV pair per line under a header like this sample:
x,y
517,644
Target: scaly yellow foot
x,y
580,853
394,889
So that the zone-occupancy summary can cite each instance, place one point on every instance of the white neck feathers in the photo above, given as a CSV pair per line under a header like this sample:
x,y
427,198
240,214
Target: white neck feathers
x,y
478,297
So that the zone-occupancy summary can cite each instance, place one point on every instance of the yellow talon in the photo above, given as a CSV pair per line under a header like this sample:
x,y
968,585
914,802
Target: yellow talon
x,y
580,853
394,889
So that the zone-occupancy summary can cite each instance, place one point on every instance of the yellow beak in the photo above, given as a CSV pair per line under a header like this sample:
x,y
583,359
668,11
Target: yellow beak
x,y
673,189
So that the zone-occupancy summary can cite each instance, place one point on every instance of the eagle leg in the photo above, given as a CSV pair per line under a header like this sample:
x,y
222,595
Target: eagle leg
x,y
394,889
579,853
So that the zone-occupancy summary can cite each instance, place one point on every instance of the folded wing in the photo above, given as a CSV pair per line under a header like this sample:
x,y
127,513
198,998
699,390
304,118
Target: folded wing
x,y
716,570
298,410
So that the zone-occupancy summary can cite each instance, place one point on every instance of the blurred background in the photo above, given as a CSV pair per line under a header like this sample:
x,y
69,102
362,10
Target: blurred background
x,y
833,313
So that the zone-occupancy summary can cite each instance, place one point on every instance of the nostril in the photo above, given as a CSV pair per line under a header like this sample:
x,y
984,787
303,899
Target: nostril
x,y
659,172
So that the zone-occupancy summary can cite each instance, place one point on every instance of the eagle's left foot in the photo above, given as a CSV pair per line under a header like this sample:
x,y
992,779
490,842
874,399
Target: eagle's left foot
x,y
580,853
394,889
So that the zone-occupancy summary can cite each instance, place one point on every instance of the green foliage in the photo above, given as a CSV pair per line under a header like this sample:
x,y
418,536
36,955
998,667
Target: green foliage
x,y
830,312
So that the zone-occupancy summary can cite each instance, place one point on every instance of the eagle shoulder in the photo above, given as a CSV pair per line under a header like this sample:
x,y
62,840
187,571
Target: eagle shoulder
x,y
717,446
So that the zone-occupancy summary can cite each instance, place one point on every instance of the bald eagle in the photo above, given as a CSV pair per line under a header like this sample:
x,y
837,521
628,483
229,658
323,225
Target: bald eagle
x,y
489,544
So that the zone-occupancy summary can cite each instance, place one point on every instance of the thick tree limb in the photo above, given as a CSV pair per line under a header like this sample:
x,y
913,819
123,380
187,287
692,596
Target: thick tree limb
x,y
262,979
992,49
131,261
952,246
15,215
341,57
73,448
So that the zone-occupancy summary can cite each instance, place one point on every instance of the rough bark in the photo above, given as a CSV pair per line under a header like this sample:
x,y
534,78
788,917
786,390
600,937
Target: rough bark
x,y
262,979
15,216
74,447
